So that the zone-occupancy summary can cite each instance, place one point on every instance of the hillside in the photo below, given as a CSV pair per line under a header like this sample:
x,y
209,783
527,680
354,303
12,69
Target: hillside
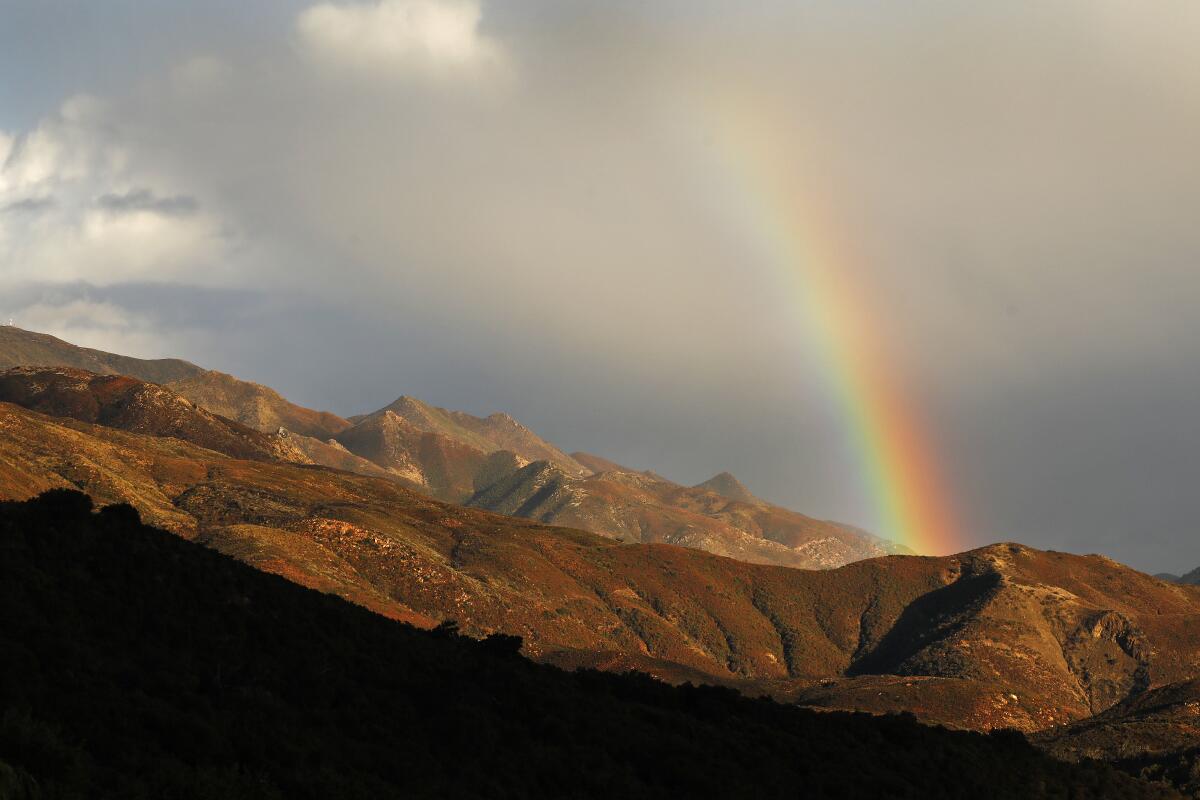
x,y
252,405
441,466
19,348
728,487
643,507
481,434
461,458
1155,735
121,402
229,683
1006,636
256,406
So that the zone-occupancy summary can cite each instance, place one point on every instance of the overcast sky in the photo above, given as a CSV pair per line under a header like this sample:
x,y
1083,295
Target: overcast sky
x,y
509,205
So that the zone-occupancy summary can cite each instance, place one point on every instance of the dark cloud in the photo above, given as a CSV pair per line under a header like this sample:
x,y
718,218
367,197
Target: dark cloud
x,y
28,205
139,200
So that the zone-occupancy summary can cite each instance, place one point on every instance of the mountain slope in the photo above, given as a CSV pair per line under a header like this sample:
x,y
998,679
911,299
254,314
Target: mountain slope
x,y
484,434
452,456
118,401
1155,735
227,683
598,463
248,403
19,348
443,467
1005,636
642,507
257,406
728,487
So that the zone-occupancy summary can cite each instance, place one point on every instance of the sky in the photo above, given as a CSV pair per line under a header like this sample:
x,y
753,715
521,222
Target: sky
x,y
535,206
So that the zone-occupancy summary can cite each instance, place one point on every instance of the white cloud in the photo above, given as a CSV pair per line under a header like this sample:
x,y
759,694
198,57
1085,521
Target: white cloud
x,y
101,216
397,38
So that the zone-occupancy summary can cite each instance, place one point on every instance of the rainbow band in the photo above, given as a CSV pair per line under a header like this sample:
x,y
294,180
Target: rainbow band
x,y
899,468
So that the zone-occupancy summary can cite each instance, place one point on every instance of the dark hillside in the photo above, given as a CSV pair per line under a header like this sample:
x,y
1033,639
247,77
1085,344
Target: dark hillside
x,y
135,664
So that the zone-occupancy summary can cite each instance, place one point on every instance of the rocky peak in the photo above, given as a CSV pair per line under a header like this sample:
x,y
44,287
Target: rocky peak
x,y
726,485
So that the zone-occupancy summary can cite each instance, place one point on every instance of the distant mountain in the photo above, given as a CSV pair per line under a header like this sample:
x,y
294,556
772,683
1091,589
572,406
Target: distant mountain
x,y
598,463
728,486
643,507
484,434
1004,636
452,456
228,683
440,465
1192,577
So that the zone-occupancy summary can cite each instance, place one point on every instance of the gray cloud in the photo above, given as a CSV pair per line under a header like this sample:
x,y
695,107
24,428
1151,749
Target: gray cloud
x,y
1014,185
28,205
139,200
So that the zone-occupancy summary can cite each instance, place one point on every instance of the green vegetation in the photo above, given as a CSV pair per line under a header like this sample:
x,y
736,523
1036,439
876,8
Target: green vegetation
x,y
134,664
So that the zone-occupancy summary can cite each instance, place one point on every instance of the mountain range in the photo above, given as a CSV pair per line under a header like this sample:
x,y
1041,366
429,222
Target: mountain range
x,y
1192,578
1087,656
492,462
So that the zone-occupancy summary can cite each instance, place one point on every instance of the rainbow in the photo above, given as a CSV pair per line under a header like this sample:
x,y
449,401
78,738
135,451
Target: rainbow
x,y
898,463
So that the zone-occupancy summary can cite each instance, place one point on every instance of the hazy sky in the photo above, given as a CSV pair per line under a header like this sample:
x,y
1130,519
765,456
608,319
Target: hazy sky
x,y
518,205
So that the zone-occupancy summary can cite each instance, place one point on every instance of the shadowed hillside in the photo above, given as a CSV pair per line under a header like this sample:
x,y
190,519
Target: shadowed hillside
x,y
1155,735
139,665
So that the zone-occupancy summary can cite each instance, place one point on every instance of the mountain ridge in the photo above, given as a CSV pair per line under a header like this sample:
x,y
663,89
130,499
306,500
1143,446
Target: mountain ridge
x,y
450,455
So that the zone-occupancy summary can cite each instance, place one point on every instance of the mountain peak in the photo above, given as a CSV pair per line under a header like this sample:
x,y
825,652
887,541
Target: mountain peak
x,y
726,485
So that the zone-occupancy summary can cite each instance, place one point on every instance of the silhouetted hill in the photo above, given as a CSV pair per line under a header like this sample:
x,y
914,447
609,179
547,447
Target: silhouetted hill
x,y
135,664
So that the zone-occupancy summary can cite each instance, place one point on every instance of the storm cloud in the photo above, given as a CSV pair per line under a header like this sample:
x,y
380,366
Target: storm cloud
x,y
521,206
